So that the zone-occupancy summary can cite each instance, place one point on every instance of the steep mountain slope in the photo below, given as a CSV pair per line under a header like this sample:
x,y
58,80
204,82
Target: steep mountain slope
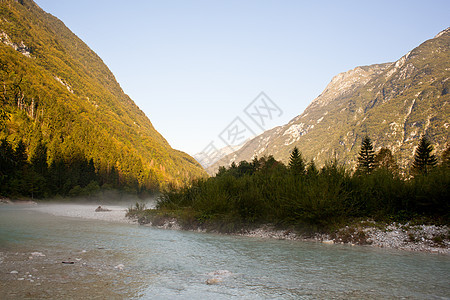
x,y
55,89
393,103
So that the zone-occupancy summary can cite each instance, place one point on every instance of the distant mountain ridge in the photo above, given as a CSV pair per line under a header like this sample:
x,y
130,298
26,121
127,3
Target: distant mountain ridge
x,y
393,103
58,91
206,160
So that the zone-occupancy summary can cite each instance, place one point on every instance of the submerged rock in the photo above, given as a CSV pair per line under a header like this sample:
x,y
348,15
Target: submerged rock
x,y
217,276
101,209
224,273
37,254
210,281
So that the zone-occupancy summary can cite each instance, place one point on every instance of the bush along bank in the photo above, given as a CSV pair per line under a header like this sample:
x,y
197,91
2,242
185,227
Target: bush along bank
x,y
311,202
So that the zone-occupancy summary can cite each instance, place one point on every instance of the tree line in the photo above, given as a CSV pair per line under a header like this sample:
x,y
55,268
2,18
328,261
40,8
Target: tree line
x,y
23,175
301,194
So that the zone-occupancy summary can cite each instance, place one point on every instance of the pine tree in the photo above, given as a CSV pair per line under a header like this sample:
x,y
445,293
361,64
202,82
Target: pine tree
x,y
6,158
37,182
296,162
19,185
39,159
312,170
20,155
424,161
366,157
7,165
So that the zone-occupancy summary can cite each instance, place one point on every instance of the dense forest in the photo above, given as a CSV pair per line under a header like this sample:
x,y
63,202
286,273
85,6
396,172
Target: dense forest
x,y
30,176
300,194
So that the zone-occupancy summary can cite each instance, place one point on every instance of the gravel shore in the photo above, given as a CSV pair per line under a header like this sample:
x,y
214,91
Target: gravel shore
x,y
423,238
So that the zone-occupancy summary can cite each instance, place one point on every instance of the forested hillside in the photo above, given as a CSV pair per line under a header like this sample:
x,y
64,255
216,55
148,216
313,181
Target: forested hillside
x,y
61,105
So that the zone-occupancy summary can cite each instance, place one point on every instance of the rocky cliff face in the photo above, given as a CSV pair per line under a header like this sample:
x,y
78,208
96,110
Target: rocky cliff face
x,y
393,103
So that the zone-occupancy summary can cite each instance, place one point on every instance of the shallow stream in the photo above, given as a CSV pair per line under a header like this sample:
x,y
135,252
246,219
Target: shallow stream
x,y
116,260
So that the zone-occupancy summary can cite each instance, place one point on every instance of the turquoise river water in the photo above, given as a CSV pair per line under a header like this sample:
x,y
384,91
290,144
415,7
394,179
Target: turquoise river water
x,y
46,256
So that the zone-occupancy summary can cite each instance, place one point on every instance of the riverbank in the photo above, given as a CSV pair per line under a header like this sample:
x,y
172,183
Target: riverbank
x,y
423,238
410,237
407,236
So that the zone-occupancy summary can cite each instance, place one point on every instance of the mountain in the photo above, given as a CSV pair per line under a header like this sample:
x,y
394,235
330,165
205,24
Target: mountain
x,y
393,103
206,160
57,92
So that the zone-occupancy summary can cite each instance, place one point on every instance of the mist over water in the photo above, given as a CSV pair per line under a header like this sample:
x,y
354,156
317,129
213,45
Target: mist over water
x,y
131,261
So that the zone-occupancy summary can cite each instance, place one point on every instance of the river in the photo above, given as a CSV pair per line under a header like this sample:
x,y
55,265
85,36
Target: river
x,y
60,257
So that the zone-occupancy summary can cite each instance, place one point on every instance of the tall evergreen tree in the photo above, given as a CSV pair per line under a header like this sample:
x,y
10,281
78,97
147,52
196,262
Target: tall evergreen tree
x,y
18,185
58,175
312,170
6,157
39,159
37,183
296,162
20,155
366,157
7,165
424,161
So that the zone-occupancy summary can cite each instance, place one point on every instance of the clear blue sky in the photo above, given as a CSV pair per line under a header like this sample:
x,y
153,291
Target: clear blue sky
x,y
193,66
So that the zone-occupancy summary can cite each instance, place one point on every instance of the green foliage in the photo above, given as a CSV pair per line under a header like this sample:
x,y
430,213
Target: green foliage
x,y
296,162
33,177
366,157
424,161
135,210
269,192
385,160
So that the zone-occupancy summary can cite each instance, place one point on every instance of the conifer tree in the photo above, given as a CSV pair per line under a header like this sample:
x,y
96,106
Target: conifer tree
x,y
20,155
366,157
7,164
312,170
37,183
424,161
296,162
39,159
